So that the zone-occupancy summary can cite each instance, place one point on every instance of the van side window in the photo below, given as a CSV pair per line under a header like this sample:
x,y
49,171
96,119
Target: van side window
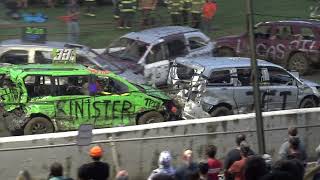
x,y
220,77
279,77
244,76
176,48
156,54
196,42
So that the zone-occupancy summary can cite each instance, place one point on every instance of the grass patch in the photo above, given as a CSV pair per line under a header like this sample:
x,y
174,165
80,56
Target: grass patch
x,y
99,31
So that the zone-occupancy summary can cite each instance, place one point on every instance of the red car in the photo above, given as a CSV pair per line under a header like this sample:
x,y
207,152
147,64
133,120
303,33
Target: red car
x,y
294,44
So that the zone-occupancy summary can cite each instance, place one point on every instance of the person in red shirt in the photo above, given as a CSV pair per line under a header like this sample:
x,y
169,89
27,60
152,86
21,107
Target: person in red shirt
x,y
237,168
214,164
209,10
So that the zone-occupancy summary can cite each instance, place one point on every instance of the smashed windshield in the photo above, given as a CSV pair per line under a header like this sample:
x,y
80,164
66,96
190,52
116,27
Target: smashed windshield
x,y
128,49
95,60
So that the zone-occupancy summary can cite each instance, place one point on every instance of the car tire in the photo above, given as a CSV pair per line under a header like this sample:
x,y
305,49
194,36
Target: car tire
x,y
299,62
220,111
38,125
150,117
225,52
308,103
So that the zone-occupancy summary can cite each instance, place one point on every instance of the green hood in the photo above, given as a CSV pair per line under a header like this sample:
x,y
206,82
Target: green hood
x,y
154,92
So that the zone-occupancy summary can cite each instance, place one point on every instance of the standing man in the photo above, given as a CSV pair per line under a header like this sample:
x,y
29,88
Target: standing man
x,y
187,4
127,11
147,7
188,167
96,170
175,8
208,11
196,10
73,11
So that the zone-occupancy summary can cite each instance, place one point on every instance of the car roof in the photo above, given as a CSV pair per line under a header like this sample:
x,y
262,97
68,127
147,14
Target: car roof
x,y
153,34
210,63
50,44
308,22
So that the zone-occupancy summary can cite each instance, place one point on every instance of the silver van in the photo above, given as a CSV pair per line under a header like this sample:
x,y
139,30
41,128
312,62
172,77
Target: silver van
x,y
223,85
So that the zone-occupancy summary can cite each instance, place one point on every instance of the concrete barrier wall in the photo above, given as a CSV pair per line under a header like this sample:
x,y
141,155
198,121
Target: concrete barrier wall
x,y
138,147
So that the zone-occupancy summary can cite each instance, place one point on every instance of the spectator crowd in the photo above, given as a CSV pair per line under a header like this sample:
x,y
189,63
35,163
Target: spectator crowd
x,y
240,163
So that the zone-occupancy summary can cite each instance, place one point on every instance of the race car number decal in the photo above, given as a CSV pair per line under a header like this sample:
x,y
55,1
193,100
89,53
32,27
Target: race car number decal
x,y
63,55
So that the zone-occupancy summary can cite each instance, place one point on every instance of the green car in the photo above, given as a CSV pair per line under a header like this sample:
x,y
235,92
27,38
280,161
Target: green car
x,y
60,97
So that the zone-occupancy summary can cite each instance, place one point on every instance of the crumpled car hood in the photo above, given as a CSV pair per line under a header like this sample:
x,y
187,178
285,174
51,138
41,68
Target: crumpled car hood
x,y
154,92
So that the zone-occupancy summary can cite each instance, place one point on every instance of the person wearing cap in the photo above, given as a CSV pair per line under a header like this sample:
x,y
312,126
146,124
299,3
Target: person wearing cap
x,y
234,155
96,170
165,166
188,167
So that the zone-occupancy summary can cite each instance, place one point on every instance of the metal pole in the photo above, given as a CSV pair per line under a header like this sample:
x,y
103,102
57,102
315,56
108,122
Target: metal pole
x,y
255,85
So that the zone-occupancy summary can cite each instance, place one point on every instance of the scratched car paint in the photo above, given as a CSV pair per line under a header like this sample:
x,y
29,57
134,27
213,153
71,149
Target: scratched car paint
x,y
293,44
224,85
49,98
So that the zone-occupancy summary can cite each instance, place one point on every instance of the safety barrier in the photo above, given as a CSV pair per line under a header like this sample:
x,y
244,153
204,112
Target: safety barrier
x,y
137,147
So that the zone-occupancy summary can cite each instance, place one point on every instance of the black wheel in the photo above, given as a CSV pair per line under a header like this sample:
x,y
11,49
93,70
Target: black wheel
x,y
38,125
150,117
220,111
308,103
299,62
225,52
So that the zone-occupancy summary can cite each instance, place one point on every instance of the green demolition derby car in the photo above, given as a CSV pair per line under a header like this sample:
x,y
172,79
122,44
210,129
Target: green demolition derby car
x,y
49,98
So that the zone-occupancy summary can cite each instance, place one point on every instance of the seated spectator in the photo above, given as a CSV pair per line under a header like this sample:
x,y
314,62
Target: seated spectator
x,y
215,166
234,155
56,172
286,149
188,166
255,168
165,166
237,168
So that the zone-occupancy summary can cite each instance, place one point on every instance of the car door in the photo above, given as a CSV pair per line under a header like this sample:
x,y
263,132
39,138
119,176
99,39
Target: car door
x,y
157,64
243,94
220,86
281,42
263,37
283,90
72,101
112,104
198,44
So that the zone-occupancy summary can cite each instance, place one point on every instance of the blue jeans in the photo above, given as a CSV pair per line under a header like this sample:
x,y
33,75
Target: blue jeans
x,y
73,31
